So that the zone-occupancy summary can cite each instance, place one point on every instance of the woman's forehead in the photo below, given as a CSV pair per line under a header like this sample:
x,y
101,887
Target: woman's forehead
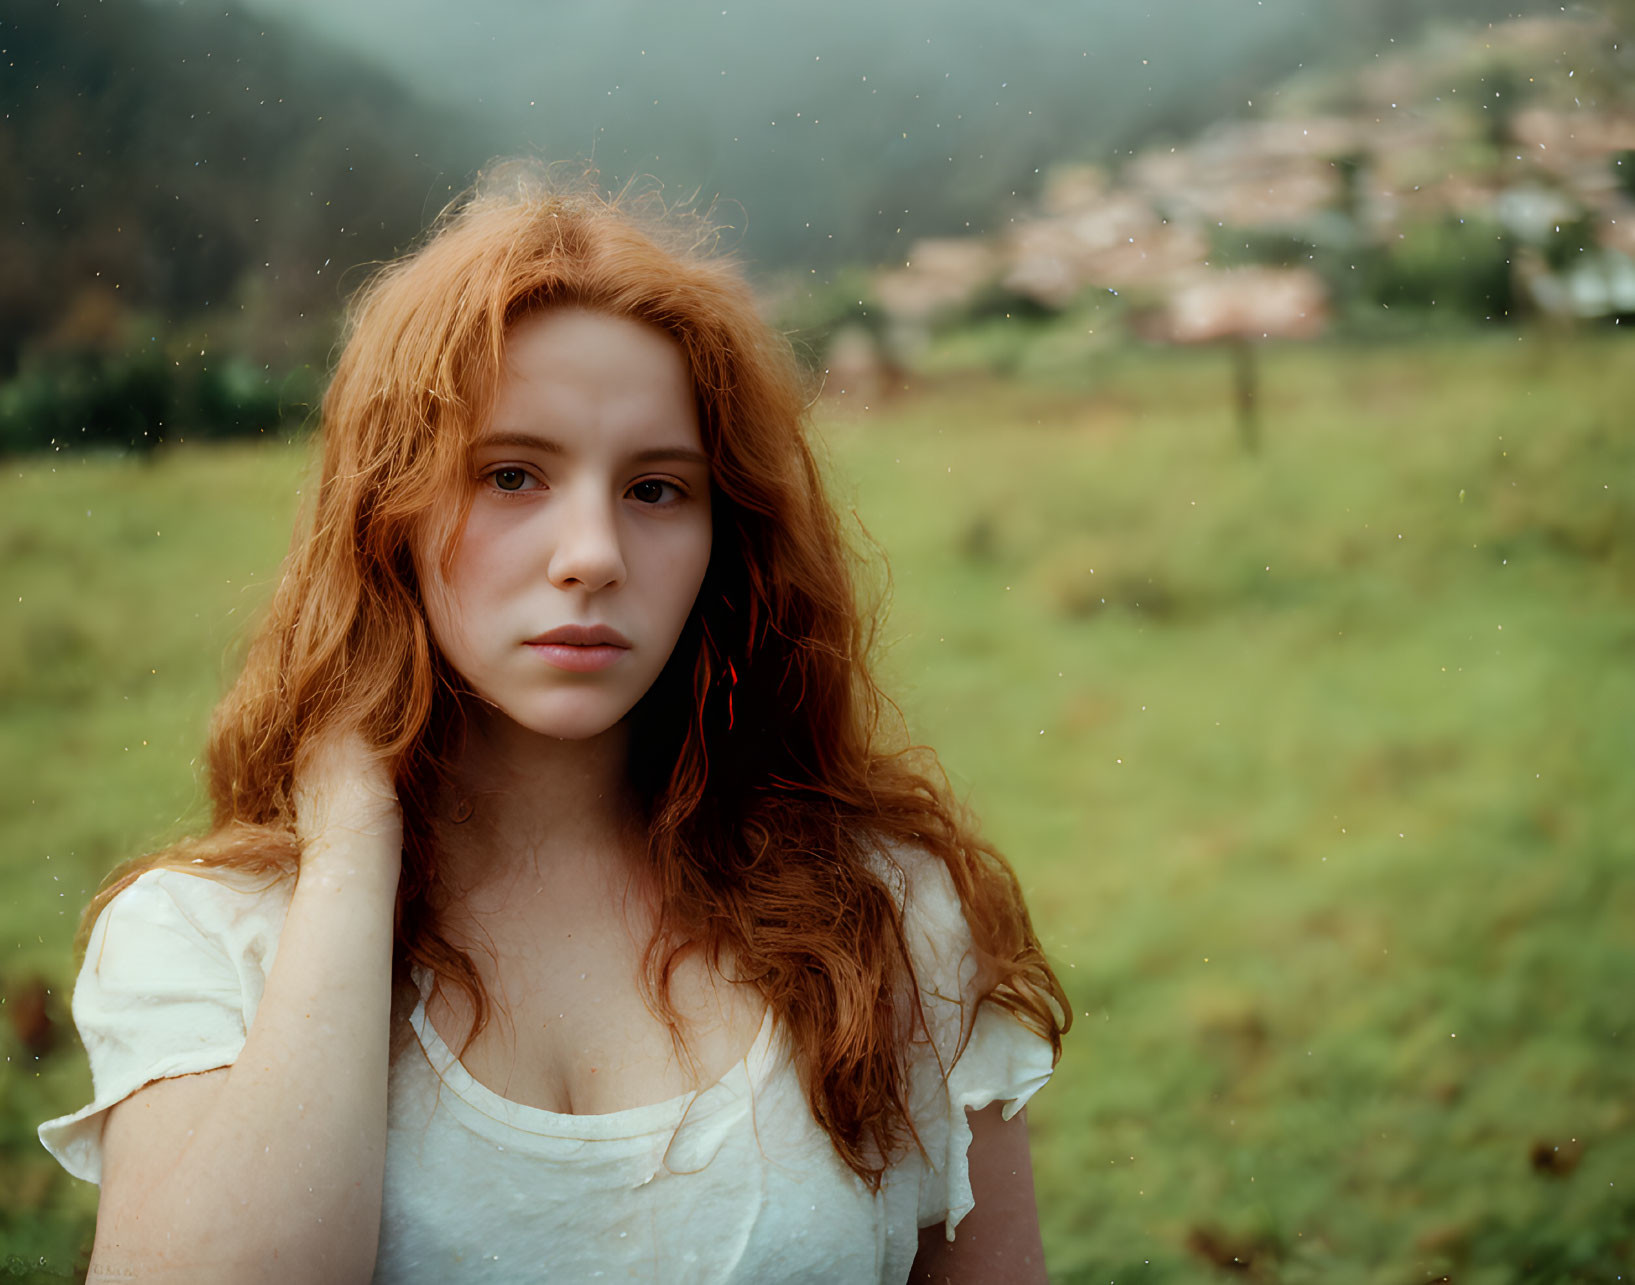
x,y
571,377
569,330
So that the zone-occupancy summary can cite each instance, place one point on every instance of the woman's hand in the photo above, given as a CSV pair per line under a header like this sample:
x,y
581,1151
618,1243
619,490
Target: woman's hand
x,y
344,797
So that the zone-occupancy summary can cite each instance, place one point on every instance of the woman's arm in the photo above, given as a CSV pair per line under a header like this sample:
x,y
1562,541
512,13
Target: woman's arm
x,y
998,1241
272,1168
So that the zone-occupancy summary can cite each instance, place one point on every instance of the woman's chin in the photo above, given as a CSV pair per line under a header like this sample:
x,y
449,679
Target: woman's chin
x,y
566,724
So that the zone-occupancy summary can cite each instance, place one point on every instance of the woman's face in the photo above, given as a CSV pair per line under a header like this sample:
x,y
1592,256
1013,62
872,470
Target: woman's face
x,y
591,512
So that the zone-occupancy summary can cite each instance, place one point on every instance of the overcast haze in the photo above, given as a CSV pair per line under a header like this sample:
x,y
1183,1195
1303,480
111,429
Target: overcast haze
x,y
783,107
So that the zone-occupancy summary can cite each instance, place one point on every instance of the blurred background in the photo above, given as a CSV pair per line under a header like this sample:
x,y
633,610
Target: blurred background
x,y
1240,392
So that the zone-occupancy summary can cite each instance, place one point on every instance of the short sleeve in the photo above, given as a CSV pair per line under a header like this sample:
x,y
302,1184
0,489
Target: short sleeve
x,y
174,969
970,1055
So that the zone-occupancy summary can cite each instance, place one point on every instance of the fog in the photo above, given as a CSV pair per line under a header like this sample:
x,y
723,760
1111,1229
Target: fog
x,y
844,130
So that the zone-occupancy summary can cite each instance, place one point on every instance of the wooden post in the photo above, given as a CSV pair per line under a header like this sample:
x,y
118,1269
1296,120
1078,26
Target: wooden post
x,y
1246,386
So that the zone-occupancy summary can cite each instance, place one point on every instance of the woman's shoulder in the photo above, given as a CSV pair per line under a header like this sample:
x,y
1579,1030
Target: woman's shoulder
x,y
237,891
222,909
173,971
176,943
937,935
923,887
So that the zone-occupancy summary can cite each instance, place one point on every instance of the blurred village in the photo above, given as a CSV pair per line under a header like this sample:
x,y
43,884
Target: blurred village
x,y
1482,176
1466,178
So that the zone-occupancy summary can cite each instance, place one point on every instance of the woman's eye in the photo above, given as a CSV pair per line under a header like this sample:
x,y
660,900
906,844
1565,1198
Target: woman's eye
x,y
651,491
509,479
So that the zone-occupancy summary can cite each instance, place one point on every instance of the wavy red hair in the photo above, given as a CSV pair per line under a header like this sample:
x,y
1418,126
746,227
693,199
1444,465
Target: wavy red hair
x,y
771,772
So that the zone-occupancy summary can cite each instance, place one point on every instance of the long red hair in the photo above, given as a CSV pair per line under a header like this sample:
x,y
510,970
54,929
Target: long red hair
x,y
764,749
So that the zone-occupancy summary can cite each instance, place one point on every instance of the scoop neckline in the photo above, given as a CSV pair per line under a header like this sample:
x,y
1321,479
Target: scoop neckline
x,y
630,1122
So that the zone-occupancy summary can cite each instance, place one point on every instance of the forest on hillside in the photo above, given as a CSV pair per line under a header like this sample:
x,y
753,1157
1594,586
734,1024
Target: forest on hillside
x,y
198,169
194,193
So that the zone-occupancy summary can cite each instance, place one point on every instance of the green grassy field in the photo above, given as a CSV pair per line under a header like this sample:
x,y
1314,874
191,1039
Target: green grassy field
x,y
1315,766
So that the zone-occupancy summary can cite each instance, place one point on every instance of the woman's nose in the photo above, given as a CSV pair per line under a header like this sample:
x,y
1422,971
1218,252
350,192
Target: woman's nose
x,y
587,549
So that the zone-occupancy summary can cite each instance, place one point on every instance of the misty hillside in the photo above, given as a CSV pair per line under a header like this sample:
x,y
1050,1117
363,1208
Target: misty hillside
x,y
212,167
227,171
840,133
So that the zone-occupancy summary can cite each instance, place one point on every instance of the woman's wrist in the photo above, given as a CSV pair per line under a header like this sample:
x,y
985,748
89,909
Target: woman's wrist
x,y
341,851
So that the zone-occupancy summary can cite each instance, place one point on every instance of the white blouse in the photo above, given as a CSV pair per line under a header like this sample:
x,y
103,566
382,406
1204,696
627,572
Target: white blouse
x,y
735,1182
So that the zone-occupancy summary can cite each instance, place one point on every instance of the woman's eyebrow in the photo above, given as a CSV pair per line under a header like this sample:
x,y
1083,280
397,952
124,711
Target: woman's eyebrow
x,y
652,455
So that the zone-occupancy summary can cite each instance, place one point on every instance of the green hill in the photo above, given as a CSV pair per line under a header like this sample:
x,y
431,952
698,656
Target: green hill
x,y
208,169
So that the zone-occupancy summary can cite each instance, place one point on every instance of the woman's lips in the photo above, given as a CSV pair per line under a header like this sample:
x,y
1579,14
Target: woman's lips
x,y
578,659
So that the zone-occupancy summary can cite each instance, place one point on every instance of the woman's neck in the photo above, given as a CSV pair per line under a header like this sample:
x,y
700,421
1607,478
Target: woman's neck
x,y
523,805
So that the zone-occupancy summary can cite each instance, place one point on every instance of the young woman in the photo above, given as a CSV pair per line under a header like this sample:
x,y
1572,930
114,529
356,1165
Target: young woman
x,y
567,913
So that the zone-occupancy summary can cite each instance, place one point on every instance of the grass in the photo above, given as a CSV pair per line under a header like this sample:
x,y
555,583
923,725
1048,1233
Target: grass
x,y
1313,764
